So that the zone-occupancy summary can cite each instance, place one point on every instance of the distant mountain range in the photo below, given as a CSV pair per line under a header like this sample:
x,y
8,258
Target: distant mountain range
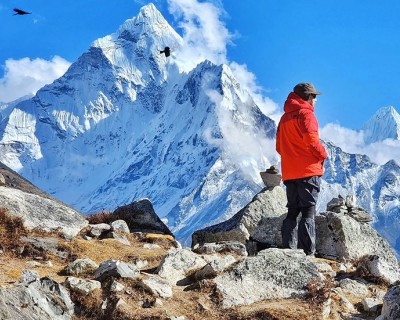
x,y
124,123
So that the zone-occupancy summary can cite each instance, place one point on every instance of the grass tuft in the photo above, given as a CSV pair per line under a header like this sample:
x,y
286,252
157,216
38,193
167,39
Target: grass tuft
x,y
11,230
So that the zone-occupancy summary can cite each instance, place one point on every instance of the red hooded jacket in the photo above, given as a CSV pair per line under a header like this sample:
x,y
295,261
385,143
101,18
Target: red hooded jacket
x,y
297,140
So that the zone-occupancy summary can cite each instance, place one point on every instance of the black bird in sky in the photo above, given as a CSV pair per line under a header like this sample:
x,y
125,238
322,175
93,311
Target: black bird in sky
x,y
166,51
20,12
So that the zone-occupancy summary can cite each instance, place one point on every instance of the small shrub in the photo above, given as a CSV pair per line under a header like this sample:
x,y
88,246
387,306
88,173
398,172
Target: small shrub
x,y
318,292
100,217
89,306
11,230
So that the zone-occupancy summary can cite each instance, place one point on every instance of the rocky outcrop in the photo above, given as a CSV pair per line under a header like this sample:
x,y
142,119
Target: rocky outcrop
x,y
36,299
141,217
270,203
272,274
42,213
340,236
391,305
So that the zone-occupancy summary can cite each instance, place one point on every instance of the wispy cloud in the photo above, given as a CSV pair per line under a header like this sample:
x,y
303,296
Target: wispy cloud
x,y
26,76
352,141
246,148
205,36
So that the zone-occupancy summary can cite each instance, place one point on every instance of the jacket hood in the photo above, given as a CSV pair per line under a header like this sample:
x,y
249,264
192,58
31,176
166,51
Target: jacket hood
x,y
294,102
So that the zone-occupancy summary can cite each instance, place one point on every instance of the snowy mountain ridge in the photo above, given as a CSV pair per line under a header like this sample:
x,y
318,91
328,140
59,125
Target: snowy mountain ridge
x,y
125,123
384,124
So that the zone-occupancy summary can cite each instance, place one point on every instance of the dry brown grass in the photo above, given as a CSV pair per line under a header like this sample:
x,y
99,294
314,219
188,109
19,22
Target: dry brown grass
x,y
100,217
11,230
318,293
105,249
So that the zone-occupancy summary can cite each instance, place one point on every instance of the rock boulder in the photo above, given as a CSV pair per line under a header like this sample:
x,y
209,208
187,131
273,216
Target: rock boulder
x,y
141,217
269,203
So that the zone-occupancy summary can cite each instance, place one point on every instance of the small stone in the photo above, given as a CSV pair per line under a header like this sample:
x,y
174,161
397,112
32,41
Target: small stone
x,y
29,276
272,169
151,246
360,215
342,267
116,286
354,288
351,201
120,225
2,180
96,230
371,304
115,268
121,303
81,266
336,202
140,263
157,286
33,264
271,179
82,286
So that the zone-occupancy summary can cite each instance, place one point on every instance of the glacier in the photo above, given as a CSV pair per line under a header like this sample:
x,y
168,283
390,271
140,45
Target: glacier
x,y
124,123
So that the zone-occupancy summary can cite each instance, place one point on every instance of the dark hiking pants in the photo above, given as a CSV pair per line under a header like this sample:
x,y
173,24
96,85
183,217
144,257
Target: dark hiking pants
x,y
302,195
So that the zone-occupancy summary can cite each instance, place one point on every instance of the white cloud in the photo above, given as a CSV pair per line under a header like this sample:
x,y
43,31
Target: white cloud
x,y
25,76
241,143
352,141
349,140
205,36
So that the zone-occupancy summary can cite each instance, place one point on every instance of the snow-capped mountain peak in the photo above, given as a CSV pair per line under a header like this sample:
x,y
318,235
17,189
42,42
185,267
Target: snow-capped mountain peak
x,y
140,40
384,124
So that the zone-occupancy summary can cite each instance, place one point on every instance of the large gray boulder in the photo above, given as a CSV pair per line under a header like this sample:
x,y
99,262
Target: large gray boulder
x,y
141,217
269,203
42,213
272,274
378,267
391,305
341,237
40,299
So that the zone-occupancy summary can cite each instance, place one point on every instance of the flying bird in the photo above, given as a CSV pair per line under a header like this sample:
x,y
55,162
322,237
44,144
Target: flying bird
x,y
166,51
20,12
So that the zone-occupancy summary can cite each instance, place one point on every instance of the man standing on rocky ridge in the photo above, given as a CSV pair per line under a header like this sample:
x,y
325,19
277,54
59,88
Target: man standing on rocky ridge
x,y
302,160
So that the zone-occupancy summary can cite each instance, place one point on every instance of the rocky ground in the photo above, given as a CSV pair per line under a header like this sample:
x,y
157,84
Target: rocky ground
x,y
120,295
57,264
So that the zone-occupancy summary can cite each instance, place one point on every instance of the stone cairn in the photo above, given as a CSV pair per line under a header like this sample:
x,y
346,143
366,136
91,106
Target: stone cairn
x,y
348,206
271,177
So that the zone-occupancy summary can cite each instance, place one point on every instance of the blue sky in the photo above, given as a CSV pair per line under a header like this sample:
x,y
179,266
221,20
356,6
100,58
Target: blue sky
x,y
349,49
